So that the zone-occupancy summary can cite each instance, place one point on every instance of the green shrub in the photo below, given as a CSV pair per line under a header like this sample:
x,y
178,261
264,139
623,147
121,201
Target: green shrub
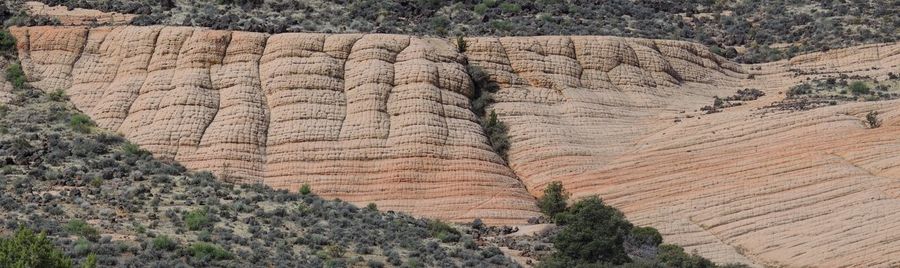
x,y
801,89
90,261
443,231
335,251
83,229
133,149
510,8
57,95
480,8
305,189
81,123
196,219
646,236
859,88
15,75
674,256
27,249
372,207
7,41
81,247
461,44
554,200
203,250
592,233
165,243
97,182
496,132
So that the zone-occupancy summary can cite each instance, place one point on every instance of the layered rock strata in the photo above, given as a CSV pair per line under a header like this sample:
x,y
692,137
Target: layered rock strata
x,y
365,118
618,118
385,119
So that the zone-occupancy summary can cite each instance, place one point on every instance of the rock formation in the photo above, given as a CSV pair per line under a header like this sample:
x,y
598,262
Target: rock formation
x,y
386,119
811,188
364,118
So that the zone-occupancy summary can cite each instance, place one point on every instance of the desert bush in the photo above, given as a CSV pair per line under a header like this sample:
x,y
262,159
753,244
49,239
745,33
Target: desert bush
x,y
674,256
197,219
554,199
375,264
7,41
27,249
443,231
81,247
207,251
81,123
15,75
798,90
393,258
859,88
335,251
165,243
90,261
133,149
645,236
57,95
461,45
496,132
83,229
872,120
305,189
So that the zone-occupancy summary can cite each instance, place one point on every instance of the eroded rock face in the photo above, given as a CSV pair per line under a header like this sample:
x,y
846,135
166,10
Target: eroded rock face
x,y
364,118
386,119
751,185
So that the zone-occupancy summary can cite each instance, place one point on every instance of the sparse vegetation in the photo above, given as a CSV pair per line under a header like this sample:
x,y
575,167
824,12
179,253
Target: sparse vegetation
x,y
859,88
832,90
133,150
443,231
496,131
7,41
872,120
81,123
197,219
83,229
57,95
743,95
206,251
163,242
305,189
767,30
15,75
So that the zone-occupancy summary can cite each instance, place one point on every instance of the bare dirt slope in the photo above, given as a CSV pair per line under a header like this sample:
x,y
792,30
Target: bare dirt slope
x,y
386,119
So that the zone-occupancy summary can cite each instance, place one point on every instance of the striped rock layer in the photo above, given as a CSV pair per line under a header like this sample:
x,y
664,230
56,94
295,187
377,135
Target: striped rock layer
x,y
386,119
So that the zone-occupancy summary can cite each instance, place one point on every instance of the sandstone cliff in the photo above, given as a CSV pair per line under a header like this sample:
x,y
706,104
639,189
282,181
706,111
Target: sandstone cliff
x,y
386,119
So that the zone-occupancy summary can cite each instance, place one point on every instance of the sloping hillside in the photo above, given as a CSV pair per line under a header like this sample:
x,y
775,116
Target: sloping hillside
x,y
386,119
814,187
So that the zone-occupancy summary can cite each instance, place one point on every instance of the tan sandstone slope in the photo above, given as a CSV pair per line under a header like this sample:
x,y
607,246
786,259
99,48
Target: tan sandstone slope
x,y
385,119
